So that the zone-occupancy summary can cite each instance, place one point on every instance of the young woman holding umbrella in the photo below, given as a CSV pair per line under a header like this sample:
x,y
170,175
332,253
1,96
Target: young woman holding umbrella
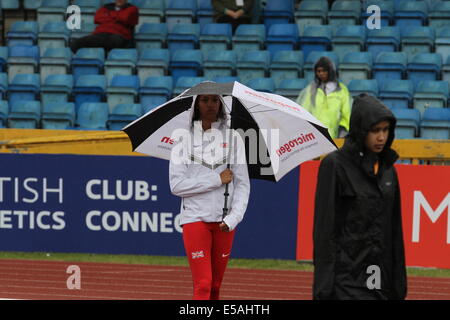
x,y
200,180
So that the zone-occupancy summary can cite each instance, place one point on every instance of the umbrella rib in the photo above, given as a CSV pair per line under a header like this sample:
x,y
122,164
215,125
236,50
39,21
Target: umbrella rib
x,y
263,111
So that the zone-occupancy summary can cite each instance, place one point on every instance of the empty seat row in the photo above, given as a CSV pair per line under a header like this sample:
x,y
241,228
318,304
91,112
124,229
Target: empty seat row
x,y
57,116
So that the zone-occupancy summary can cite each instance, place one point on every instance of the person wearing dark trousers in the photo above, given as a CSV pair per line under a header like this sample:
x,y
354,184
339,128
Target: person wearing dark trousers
x,y
116,22
235,12
358,239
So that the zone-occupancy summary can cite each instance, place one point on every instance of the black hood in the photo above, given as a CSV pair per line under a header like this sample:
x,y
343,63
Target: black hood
x,y
366,112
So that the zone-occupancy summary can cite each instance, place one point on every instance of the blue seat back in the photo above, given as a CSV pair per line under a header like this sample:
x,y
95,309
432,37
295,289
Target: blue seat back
x,y
93,116
217,29
59,80
440,87
436,114
125,81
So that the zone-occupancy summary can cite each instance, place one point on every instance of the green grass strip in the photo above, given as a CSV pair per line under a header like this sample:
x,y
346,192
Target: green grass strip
x,y
273,264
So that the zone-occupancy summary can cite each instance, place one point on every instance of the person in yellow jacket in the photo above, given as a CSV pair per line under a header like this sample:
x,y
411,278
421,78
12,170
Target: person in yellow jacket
x,y
327,99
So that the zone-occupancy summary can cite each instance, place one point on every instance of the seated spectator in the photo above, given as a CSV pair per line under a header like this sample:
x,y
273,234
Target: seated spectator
x,y
328,99
235,12
116,22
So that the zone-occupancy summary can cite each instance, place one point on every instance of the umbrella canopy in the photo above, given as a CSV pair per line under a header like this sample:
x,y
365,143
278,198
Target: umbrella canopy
x,y
278,133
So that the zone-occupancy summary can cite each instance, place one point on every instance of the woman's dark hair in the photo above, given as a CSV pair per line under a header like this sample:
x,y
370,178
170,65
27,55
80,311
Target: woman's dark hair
x,y
196,116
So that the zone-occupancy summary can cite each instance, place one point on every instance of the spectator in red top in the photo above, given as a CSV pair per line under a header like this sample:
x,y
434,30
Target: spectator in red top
x,y
116,22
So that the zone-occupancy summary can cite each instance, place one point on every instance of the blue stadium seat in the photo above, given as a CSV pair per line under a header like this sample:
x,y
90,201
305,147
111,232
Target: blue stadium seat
x,y
22,59
180,11
435,124
446,70
261,84
32,4
249,37
253,64
53,35
88,9
120,61
24,114
386,39
4,112
89,88
55,61
389,66
282,37
123,114
3,58
386,14
396,93
358,86
24,87
348,39
411,14
431,94
355,65
88,61
439,14
219,64
58,116
152,63
215,36
311,13
122,89
278,11
10,5
442,42
52,10
290,88
3,86
57,88
417,39
205,12
313,57
183,36
344,12
23,33
184,83
285,65
185,63
151,35
408,121
155,91
226,79
424,66
92,116
316,38
151,11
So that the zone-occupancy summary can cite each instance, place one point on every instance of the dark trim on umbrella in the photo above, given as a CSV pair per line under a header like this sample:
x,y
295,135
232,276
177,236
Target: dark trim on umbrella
x,y
145,127
325,132
243,120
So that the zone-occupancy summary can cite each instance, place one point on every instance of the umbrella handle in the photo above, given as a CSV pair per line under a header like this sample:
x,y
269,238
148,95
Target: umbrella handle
x,y
226,194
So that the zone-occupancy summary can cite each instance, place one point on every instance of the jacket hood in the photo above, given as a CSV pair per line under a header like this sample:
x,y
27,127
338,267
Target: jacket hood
x,y
328,65
366,112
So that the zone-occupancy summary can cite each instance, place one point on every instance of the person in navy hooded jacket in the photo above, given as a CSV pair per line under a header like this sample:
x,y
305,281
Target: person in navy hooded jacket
x,y
116,22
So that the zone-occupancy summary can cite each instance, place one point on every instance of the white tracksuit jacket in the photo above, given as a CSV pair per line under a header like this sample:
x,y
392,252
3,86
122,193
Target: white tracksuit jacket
x,y
195,177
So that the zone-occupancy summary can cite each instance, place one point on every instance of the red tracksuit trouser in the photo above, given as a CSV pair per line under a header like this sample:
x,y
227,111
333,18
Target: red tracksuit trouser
x,y
208,250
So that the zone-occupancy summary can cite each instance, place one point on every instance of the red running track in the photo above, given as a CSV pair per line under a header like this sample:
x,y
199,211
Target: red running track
x,y
44,280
